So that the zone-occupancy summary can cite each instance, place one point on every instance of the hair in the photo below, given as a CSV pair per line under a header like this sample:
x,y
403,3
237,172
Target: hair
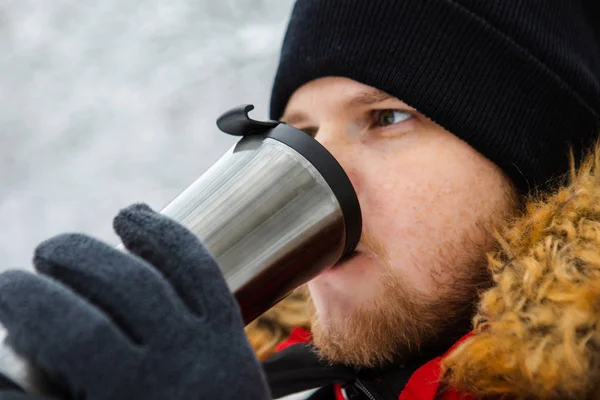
x,y
274,326
537,330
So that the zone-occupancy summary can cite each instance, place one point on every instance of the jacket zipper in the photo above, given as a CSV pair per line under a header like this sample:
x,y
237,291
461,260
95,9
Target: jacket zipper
x,y
365,391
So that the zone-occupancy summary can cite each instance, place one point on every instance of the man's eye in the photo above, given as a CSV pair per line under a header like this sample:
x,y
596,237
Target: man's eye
x,y
391,117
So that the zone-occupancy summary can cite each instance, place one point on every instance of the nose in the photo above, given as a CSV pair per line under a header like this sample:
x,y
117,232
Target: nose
x,y
335,138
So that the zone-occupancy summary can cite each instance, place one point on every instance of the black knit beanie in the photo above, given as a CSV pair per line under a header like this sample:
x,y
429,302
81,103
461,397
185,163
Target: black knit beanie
x,y
519,80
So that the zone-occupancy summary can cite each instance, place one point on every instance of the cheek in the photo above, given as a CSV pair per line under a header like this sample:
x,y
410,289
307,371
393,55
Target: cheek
x,y
418,206
398,214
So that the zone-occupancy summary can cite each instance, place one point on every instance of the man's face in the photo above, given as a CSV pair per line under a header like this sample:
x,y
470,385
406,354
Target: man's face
x,y
428,202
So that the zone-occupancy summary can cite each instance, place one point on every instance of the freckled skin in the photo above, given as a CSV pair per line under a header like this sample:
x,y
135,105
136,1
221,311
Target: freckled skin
x,y
421,189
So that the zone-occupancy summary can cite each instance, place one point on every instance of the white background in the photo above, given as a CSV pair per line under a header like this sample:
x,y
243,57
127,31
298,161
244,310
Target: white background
x,y
108,102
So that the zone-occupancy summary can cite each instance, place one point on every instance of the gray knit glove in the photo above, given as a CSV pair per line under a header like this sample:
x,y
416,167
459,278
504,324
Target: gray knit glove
x,y
156,324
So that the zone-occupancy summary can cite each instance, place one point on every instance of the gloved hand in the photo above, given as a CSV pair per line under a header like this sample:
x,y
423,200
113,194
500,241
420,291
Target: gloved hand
x,y
160,323
12,395
11,391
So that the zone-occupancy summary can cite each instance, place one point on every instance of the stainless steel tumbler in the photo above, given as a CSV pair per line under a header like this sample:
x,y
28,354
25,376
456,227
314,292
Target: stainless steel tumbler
x,y
275,211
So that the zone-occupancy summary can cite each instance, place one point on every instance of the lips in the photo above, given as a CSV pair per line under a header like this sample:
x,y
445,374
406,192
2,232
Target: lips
x,y
346,258
360,247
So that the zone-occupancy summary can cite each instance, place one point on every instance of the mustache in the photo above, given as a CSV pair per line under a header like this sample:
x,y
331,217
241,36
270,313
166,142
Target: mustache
x,y
371,245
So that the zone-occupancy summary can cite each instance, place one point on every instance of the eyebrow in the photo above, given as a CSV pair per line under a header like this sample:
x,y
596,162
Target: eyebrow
x,y
368,98
365,98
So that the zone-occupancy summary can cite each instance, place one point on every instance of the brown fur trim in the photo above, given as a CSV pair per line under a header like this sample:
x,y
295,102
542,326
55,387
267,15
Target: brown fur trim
x,y
275,325
538,330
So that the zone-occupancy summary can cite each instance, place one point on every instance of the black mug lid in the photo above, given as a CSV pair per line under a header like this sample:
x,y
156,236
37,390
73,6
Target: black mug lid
x,y
237,122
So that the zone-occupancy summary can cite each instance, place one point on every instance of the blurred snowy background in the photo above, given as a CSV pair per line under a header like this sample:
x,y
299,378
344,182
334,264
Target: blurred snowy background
x,y
108,102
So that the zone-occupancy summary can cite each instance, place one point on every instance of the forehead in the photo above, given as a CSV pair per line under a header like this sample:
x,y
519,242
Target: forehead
x,y
339,87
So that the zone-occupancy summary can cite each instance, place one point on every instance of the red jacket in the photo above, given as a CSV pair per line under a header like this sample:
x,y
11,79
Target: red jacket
x,y
422,385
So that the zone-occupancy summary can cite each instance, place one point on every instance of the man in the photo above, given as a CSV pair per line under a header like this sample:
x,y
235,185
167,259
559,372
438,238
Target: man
x,y
367,79
444,114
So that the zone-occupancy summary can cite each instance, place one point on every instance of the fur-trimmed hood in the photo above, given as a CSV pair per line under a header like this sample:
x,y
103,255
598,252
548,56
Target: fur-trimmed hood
x,y
537,331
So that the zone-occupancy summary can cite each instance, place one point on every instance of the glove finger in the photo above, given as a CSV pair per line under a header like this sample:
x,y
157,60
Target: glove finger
x,y
11,395
7,384
180,256
135,296
55,329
